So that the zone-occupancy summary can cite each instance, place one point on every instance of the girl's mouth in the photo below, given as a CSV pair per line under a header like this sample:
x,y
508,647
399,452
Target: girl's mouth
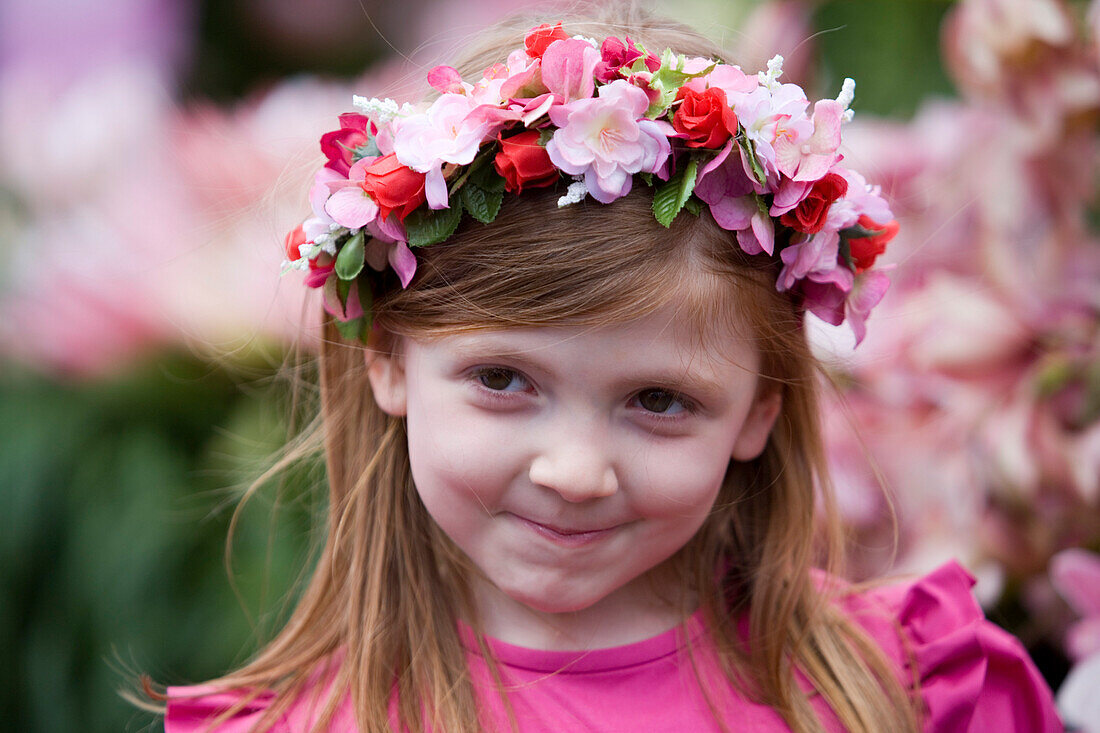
x,y
567,536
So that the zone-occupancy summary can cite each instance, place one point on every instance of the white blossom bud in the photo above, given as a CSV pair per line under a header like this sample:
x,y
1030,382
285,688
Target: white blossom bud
x,y
574,194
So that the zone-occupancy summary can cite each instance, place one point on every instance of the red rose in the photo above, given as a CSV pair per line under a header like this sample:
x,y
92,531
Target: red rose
x,y
866,249
294,239
704,117
339,145
538,39
809,216
394,187
319,267
523,162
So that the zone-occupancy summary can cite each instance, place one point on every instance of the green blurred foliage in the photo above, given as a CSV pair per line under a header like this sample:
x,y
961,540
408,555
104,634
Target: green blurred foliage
x,y
890,47
117,497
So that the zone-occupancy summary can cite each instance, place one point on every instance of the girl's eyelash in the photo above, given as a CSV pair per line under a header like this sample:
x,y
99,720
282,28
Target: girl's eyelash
x,y
687,405
494,382
489,379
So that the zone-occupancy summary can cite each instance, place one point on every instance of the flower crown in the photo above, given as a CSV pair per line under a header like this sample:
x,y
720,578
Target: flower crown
x,y
603,116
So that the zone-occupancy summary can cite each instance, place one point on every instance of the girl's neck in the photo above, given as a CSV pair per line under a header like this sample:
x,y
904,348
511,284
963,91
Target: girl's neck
x,y
632,613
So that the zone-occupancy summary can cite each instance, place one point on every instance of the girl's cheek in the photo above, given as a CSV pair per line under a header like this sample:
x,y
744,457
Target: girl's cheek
x,y
678,477
457,453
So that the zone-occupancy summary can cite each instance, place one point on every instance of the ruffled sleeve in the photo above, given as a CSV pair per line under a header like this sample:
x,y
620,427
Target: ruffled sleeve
x,y
974,676
193,709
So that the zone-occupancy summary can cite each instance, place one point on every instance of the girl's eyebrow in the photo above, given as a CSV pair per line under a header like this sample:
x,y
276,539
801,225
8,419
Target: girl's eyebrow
x,y
691,381
488,347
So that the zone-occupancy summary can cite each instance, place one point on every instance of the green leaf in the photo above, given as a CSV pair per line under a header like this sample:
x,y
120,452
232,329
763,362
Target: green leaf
x,y
694,206
762,205
366,302
366,299
475,172
349,262
667,80
343,287
859,232
369,149
750,153
483,205
648,178
331,292
353,330
487,178
845,253
429,226
672,196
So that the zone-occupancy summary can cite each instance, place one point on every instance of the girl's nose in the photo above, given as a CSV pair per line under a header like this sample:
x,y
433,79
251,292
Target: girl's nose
x,y
577,469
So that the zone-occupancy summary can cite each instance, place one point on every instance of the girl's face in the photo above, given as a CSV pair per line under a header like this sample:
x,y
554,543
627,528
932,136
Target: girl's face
x,y
570,463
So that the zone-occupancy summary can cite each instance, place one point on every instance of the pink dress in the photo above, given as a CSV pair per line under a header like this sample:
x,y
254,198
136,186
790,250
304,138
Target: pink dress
x,y
973,677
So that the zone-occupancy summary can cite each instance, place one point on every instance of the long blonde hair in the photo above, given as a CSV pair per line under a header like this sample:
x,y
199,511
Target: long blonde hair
x,y
377,620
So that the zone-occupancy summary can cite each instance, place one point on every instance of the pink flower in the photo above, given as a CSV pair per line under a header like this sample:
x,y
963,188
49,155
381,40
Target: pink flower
x,y
607,140
959,329
501,82
806,149
1075,574
325,181
616,54
816,256
760,113
349,205
1077,700
730,79
727,189
446,80
339,145
524,77
381,251
568,67
789,195
867,291
451,131
838,297
861,199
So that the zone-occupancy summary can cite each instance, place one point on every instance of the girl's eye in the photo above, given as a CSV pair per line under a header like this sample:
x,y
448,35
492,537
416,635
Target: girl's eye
x,y
662,402
499,379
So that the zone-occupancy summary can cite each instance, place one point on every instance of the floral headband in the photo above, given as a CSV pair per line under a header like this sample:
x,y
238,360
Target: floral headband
x,y
603,117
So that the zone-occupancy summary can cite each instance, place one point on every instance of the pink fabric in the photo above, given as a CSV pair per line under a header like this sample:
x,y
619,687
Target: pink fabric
x,y
974,677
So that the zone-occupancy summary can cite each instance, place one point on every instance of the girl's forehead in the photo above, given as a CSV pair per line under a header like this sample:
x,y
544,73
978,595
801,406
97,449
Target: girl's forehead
x,y
673,336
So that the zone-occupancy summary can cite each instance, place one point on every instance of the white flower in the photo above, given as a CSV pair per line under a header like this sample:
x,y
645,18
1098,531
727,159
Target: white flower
x,y
381,111
846,97
770,78
574,194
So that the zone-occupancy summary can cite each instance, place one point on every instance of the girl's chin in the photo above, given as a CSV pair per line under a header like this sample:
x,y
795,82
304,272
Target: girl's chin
x,y
556,601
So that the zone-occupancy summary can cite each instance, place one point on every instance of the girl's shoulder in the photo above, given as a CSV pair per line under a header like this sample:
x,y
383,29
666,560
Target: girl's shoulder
x,y
972,675
206,709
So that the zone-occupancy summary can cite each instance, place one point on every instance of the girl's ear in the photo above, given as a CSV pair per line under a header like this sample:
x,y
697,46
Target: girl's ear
x,y
386,371
758,425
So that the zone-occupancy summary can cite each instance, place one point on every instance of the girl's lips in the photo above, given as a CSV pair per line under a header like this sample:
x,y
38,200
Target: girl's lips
x,y
566,536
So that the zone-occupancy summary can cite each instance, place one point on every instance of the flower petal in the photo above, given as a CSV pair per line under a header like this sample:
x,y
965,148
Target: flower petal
x,y
445,79
435,188
403,262
351,207
567,69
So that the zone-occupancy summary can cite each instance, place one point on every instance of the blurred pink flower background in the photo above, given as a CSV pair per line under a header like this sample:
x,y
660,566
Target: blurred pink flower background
x,y
131,222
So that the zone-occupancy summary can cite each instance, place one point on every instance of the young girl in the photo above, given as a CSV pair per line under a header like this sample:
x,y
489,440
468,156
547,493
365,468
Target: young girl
x,y
570,423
